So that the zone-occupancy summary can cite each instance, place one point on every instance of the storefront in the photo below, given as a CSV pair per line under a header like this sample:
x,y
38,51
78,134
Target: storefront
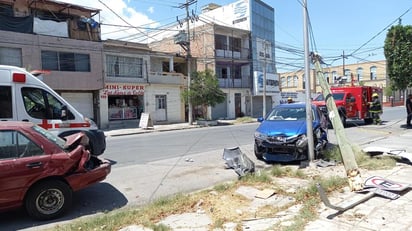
x,y
121,101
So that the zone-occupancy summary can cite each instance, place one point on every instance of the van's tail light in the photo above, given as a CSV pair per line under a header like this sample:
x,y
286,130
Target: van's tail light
x,y
19,77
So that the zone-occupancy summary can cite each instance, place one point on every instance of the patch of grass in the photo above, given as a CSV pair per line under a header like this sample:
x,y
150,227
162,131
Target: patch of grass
x,y
279,171
260,176
147,216
362,159
222,187
332,154
375,162
245,119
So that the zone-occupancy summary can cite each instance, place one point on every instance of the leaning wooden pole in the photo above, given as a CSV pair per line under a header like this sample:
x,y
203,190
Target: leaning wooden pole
x,y
348,155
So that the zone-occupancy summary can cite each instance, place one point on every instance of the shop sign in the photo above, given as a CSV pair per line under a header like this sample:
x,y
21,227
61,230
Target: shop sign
x,y
123,89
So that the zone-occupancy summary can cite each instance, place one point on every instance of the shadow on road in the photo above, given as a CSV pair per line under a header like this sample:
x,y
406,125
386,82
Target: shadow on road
x,y
100,197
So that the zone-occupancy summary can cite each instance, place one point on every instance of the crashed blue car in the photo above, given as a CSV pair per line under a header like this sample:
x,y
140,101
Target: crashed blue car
x,y
282,135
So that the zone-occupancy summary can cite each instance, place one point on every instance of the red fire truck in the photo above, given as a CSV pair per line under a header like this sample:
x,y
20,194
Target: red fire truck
x,y
351,101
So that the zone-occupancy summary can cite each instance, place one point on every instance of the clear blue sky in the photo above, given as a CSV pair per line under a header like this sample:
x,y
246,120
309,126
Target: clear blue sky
x,y
356,27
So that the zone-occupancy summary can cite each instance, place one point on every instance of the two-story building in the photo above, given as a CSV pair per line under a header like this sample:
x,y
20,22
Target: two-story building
x,y
110,81
235,41
58,37
139,80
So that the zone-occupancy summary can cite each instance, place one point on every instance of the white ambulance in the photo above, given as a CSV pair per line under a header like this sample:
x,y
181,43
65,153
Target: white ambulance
x,y
24,97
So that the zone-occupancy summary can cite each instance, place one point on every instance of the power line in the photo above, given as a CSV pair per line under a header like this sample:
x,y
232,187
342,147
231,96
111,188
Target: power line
x,y
381,31
121,17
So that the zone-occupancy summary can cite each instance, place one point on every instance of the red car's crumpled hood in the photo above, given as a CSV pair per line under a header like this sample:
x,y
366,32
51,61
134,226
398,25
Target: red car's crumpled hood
x,y
75,145
76,139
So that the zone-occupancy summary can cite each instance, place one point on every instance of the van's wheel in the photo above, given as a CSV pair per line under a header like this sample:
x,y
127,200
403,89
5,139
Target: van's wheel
x,y
48,199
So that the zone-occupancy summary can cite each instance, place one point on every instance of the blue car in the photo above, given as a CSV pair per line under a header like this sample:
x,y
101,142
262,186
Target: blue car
x,y
282,135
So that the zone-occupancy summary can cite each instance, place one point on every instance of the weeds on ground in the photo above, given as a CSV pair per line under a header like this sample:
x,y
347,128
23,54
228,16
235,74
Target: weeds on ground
x,y
363,160
245,119
218,201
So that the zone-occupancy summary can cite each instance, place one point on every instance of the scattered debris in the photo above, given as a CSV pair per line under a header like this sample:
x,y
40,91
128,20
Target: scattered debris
x,y
387,151
324,163
265,193
237,160
374,185
189,160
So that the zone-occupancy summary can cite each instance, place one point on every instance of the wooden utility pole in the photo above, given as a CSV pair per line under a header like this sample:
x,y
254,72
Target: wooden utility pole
x,y
346,150
188,57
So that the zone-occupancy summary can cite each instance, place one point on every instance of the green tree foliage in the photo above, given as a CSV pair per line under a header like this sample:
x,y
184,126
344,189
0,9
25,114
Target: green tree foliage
x,y
204,91
398,54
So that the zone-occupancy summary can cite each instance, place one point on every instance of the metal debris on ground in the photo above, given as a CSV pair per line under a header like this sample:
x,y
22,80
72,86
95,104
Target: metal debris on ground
x,y
373,151
189,160
237,160
324,163
374,185
265,193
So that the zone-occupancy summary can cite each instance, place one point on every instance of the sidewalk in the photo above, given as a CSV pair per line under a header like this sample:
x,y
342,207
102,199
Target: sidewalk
x,y
165,127
377,213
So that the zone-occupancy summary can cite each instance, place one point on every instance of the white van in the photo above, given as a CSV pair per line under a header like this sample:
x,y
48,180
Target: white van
x,y
24,97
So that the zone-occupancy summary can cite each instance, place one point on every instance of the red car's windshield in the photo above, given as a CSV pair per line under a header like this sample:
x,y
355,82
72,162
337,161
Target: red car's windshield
x,y
50,136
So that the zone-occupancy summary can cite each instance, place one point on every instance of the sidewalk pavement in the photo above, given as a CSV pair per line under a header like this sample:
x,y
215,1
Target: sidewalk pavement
x,y
377,213
165,127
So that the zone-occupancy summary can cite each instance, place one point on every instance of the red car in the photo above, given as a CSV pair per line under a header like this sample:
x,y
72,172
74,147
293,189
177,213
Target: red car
x,y
40,171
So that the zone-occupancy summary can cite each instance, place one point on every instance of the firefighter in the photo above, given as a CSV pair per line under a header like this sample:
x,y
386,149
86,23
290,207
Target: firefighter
x,y
375,108
290,100
409,111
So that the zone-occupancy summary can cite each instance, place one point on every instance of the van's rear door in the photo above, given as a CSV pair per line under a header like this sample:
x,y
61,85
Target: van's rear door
x,y
7,101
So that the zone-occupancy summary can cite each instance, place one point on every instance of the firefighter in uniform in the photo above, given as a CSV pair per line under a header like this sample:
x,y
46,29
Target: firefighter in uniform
x,y
375,108
290,100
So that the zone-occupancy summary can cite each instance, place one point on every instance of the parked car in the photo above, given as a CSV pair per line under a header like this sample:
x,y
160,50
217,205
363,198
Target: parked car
x,y
282,134
39,170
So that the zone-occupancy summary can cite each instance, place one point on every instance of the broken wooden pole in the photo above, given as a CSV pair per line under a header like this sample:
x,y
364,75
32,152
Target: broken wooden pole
x,y
347,153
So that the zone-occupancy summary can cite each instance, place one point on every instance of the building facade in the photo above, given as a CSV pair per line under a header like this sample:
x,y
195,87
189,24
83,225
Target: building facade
x,y
60,38
359,74
236,42
138,81
109,81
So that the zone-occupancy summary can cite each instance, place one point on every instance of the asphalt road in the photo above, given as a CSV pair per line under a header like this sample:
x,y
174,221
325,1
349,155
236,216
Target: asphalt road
x,y
149,166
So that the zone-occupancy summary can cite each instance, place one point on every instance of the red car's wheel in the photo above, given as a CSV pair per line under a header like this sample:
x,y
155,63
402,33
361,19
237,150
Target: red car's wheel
x,y
48,199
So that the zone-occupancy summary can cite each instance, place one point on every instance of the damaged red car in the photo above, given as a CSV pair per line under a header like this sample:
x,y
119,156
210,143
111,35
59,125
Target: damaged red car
x,y
40,171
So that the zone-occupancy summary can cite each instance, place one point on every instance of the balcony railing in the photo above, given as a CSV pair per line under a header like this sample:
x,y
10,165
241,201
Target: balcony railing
x,y
167,78
243,54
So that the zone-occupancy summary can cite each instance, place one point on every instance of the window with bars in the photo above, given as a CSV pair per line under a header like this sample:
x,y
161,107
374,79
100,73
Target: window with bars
x,y
122,66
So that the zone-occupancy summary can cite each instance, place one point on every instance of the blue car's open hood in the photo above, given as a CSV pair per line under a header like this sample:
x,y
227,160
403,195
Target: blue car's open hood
x,y
278,127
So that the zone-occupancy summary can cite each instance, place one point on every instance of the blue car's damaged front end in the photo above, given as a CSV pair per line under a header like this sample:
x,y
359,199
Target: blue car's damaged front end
x,y
282,136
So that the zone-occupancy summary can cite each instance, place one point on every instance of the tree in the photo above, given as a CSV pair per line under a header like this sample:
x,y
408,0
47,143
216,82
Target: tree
x,y
204,91
397,49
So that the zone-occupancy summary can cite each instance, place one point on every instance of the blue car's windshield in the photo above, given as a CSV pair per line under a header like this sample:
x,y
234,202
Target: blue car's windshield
x,y
280,113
